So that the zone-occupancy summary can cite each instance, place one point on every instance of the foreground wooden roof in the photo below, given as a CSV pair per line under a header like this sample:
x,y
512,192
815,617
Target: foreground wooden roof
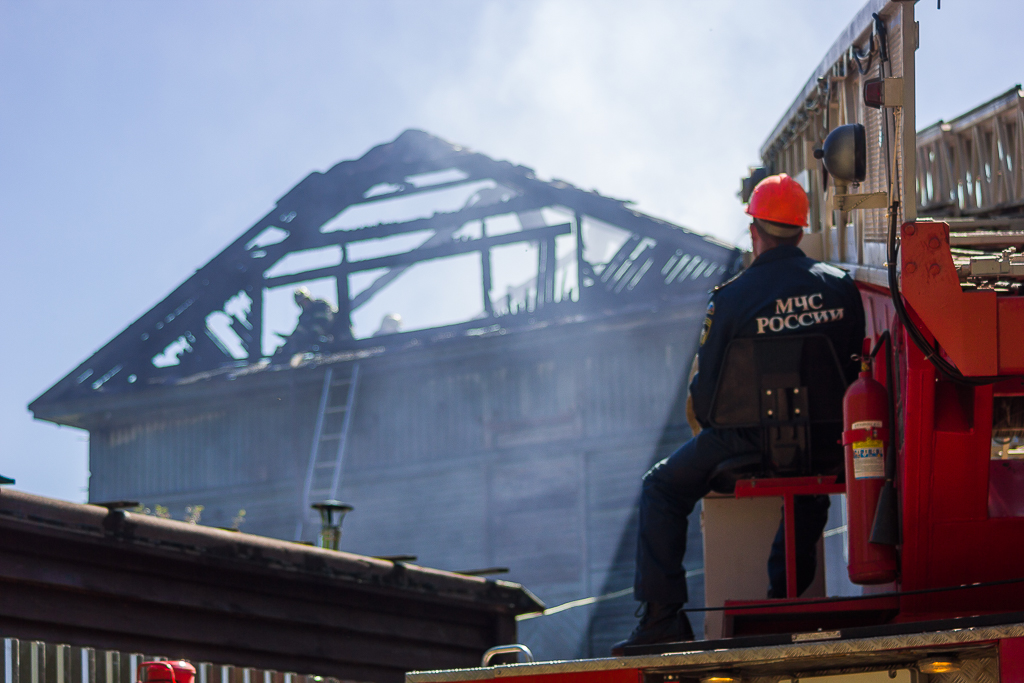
x,y
86,575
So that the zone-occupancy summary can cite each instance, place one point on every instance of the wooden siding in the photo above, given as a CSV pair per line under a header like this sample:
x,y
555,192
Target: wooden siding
x,y
525,453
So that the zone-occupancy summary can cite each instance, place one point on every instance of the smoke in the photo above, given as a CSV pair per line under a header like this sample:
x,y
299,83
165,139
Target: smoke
x,y
664,103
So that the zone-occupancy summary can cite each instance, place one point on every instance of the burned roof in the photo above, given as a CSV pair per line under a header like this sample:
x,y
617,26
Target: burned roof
x,y
593,256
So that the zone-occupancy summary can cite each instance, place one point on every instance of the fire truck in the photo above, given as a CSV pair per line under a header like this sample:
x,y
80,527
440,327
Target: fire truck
x,y
934,473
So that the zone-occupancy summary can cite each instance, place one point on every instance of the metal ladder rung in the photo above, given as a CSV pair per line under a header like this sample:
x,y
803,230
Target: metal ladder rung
x,y
328,452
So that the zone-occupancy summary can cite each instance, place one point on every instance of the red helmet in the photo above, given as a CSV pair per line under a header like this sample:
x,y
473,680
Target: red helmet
x,y
779,199
166,672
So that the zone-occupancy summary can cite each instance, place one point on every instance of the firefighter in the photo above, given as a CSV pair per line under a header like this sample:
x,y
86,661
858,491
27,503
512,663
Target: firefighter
x,y
314,327
390,324
782,292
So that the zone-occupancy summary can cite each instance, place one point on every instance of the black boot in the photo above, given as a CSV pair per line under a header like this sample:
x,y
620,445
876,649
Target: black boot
x,y
659,623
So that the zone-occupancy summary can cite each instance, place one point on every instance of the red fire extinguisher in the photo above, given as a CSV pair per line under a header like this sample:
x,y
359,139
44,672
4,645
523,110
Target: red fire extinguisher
x,y
166,672
865,434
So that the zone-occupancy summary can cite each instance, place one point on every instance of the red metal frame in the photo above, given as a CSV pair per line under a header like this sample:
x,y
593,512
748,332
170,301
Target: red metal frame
x,y
787,488
949,537
981,333
1011,660
758,617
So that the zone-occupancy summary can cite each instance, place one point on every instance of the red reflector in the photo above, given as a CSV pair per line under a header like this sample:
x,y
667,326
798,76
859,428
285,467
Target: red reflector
x,y
874,92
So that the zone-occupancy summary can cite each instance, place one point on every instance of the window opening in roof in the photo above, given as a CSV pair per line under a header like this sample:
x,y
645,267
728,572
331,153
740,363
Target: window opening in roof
x,y
502,224
381,188
171,355
566,276
601,241
307,259
470,231
382,277
429,294
239,306
513,277
633,266
489,196
531,219
685,268
644,244
281,313
107,376
448,175
358,282
386,246
675,265
272,235
406,208
220,325
556,215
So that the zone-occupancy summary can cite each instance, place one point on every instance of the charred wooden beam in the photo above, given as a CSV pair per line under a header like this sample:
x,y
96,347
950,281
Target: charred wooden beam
x,y
435,222
302,213
426,254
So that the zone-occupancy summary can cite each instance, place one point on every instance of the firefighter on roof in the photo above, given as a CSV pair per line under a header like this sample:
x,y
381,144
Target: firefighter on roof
x,y
782,292
314,328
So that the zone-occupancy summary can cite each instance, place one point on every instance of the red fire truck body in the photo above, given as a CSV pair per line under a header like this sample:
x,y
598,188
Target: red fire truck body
x,y
946,292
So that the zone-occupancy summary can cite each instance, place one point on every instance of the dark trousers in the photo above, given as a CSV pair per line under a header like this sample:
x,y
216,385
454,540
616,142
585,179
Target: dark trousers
x,y
669,493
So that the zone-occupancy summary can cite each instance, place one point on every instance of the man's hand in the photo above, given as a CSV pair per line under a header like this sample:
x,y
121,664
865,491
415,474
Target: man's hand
x,y
691,416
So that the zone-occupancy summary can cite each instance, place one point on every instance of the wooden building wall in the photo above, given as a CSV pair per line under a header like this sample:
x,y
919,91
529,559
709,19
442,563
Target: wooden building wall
x,y
522,451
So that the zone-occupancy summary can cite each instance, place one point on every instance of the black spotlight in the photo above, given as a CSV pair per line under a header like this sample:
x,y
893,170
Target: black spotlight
x,y
844,153
750,182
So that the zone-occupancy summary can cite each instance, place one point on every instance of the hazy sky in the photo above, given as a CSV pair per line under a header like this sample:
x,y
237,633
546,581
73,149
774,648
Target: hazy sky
x,y
137,139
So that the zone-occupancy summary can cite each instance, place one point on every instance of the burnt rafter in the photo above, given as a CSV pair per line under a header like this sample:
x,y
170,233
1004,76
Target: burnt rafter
x,y
426,254
453,219
659,262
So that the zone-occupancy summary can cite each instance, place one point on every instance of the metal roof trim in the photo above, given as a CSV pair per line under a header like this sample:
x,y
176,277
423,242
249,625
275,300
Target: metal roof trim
x,y
149,535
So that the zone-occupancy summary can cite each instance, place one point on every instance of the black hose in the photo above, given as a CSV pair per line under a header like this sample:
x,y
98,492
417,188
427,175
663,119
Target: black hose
x,y
868,54
853,598
883,36
885,529
949,370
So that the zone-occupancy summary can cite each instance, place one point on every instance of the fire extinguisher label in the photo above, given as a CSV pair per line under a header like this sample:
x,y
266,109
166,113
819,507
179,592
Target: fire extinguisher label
x,y
869,460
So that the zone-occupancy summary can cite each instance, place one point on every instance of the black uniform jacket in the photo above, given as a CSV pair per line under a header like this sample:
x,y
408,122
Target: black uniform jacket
x,y
782,292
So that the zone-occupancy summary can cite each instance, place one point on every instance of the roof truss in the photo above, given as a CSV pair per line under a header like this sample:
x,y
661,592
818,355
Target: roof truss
x,y
658,261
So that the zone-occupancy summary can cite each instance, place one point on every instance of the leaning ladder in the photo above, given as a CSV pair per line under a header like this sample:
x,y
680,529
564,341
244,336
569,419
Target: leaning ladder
x,y
330,436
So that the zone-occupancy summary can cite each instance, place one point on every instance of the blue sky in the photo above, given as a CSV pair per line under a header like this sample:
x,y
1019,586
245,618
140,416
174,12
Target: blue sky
x,y
137,139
